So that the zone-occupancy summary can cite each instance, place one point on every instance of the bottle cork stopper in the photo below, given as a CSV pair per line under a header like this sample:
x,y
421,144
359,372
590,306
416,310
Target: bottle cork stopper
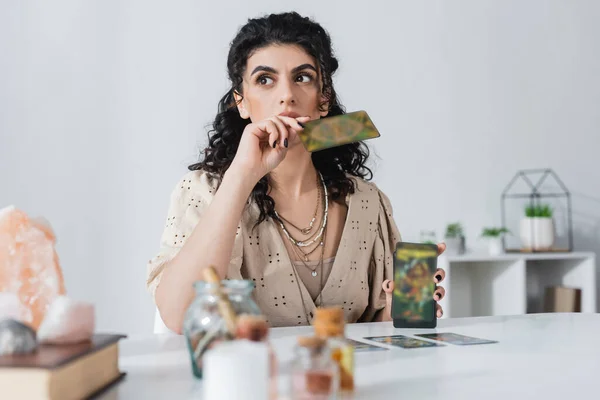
x,y
252,327
330,314
325,329
329,321
310,341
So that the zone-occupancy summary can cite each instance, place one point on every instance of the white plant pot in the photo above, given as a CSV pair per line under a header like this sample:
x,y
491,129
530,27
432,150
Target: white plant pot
x,y
495,247
455,246
537,233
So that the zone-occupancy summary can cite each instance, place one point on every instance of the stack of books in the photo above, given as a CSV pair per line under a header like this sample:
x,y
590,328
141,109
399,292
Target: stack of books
x,y
72,371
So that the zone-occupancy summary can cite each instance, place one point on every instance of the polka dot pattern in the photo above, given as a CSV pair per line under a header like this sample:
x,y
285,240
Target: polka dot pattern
x,y
363,260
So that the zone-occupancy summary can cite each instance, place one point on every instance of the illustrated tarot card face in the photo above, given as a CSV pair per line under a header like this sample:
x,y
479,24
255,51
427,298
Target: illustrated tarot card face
x,y
454,338
403,341
337,130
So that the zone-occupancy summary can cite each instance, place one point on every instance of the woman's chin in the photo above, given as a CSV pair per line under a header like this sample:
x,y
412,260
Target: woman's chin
x,y
297,147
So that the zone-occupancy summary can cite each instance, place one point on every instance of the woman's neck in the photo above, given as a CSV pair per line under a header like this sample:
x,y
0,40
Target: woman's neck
x,y
295,176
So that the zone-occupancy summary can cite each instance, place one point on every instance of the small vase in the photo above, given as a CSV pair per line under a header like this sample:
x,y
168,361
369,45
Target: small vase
x,y
495,247
203,326
455,246
537,233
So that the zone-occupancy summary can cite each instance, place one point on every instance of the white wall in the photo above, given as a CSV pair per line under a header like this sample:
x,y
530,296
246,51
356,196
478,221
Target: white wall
x,y
103,105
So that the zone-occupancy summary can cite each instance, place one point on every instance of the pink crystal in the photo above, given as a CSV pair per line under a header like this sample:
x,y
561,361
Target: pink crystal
x,y
67,321
29,265
10,306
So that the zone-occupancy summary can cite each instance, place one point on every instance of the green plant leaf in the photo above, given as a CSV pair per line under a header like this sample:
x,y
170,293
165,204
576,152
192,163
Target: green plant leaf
x,y
454,230
494,232
540,210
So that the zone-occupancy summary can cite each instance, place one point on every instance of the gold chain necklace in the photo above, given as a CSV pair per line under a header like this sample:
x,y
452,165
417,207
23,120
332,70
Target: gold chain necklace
x,y
305,231
324,224
297,245
320,296
306,254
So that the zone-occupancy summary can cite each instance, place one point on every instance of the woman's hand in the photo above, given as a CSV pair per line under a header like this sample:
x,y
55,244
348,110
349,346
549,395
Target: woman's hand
x,y
264,144
440,292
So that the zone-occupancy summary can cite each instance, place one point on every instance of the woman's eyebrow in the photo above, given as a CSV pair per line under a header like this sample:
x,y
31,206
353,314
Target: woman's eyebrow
x,y
265,68
303,66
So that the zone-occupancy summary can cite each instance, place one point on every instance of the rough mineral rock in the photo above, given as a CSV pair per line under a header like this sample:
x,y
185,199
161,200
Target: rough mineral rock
x,y
10,306
29,265
67,321
16,338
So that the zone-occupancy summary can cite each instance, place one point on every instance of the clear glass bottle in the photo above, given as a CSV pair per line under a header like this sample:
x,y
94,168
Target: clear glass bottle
x,y
314,375
256,328
428,237
329,324
204,326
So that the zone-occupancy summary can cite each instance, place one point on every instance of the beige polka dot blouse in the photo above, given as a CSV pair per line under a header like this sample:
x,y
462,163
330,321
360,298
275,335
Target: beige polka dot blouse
x,y
363,261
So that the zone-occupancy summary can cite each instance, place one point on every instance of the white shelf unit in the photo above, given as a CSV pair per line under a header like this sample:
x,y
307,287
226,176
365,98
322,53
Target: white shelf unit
x,y
513,283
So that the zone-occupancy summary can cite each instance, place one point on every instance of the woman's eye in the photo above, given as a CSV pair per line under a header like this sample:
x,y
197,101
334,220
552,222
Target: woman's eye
x,y
304,78
264,80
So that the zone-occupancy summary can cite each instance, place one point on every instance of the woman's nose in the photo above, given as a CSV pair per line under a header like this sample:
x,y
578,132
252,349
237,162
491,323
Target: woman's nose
x,y
287,94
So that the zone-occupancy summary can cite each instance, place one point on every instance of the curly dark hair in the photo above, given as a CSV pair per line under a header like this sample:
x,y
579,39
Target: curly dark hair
x,y
335,164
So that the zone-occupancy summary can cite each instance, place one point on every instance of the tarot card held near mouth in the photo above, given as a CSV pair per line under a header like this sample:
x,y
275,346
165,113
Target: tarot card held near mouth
x,y
338,130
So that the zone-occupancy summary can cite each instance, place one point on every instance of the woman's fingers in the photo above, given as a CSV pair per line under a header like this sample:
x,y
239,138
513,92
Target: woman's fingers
x,y
266,130
441,247
439,311
439,275
283,132
439,293
294,125
388,286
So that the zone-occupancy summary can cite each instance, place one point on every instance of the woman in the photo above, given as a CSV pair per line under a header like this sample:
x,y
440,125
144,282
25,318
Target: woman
x,y
307,229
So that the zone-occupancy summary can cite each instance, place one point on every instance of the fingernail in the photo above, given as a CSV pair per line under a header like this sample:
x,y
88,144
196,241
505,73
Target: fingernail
x,y
301,124
285,142
437,297
438,277
274,144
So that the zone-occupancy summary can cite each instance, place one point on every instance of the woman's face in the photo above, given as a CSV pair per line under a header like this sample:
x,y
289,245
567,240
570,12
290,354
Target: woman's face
x,y
281,79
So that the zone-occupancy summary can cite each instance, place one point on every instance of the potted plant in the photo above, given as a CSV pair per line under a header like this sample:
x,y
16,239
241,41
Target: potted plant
x,y
537,228
494,237
455,239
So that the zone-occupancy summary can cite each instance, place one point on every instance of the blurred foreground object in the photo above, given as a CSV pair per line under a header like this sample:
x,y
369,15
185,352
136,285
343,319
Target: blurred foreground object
x,y
29,265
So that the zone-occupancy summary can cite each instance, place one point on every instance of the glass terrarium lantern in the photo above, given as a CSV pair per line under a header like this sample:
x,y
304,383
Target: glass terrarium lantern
x,y
536,210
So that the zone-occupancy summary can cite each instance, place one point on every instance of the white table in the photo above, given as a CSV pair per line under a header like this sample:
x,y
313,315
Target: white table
x,y
539,356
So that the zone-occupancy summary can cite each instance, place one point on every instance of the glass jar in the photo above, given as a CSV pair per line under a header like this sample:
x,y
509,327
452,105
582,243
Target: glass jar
x,y
204,326
314,374
329,325
428,237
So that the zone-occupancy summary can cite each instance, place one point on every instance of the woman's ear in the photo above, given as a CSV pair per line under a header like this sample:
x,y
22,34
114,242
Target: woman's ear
x,y
239,101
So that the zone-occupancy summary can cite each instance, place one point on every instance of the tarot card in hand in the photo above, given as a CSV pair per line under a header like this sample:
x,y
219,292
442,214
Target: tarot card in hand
x,y
455,338
361,347
405,342
413,305
337,130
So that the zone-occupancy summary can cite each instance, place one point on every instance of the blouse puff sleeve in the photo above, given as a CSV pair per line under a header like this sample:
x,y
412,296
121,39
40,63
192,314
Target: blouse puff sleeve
x,y
189,199
382,258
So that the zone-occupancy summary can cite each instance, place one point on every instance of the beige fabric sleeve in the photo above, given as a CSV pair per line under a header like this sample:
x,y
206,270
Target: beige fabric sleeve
x,y
190,197
382,259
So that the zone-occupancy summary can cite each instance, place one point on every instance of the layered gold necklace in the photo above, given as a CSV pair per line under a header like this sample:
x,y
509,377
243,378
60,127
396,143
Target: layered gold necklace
x,y
298,246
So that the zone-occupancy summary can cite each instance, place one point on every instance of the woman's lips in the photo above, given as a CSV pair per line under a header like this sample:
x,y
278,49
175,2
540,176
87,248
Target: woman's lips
x,y
290,114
